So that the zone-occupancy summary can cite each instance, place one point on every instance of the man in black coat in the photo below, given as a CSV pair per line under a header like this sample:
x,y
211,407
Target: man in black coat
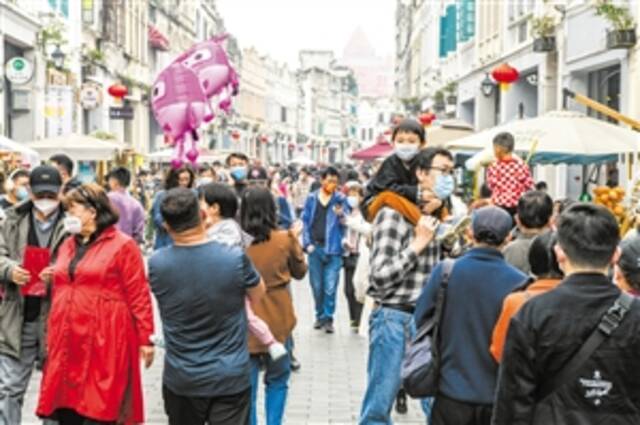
x,y
552,327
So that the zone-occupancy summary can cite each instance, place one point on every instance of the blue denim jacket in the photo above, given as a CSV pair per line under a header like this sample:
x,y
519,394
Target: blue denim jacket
x,y
335,228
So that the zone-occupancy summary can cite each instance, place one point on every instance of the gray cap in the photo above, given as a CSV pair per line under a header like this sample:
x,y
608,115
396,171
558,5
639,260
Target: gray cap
x,y
492,223
630,258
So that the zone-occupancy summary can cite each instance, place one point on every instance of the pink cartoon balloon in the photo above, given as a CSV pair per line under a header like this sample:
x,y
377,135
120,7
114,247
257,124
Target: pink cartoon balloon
x,y
217,76
179,105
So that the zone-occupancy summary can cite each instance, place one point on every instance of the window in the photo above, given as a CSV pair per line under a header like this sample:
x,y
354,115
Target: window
x,y
371,134
87,11
363,134
283,114
448,31
381,118
522,32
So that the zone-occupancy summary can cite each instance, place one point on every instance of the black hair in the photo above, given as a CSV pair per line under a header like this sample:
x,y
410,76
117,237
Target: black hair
x,y
173,177
221,194
425,157
19,173
589,235
485,191
542,256
541,186
237,155
409,126
353,175
330,171
122,175
217,163
258,214
505,140
64,161
535,209
561,205
180,209
205,168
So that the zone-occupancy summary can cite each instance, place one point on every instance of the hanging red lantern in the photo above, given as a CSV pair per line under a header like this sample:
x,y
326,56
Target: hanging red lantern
x,y
118,90
235,135
264,139
505,75
427,118
309,146
292,146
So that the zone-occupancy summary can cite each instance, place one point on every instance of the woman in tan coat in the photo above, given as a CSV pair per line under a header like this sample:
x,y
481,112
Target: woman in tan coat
x,y
278,257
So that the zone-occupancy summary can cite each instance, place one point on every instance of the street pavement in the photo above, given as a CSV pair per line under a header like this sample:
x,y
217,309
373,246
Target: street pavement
x,y
328,389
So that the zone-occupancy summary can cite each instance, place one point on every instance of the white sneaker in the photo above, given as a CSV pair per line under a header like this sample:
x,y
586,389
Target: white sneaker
x,y
277,351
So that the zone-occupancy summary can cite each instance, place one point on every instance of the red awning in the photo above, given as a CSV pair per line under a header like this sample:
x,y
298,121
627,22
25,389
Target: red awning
x,y
157,40
379,150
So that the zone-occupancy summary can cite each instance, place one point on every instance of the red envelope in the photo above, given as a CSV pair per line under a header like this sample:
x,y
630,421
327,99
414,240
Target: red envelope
x,y
35,261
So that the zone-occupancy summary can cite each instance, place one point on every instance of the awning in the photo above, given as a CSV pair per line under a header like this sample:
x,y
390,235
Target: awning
x,y
30,157
79,147
157,40
379,150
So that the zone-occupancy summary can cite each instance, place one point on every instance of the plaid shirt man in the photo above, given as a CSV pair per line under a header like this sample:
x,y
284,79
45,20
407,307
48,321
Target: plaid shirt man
x,y
508,180
397,272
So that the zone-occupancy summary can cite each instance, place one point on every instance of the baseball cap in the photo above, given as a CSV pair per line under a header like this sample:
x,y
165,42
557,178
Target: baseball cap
x,y
493,223
630,257
258,173
45,179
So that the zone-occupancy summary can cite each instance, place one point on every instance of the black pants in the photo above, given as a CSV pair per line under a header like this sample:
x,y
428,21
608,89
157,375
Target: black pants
x,y
70,417
447,411
224,410
355,308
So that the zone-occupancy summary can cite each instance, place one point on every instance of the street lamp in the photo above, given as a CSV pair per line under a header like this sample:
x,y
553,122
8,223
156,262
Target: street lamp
x,y
58,58
487,86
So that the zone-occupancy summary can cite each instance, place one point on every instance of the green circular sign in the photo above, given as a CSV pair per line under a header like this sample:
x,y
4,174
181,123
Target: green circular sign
x,y
19,70
18,64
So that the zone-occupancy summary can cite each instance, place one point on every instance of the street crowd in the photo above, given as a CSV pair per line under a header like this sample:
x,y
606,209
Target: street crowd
x,y
528,302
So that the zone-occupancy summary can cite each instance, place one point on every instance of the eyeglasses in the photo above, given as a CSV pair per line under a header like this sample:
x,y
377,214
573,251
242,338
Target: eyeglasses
x,y
445,171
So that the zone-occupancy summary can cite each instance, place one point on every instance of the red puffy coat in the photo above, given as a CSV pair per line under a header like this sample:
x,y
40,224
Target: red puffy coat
x,y
97,323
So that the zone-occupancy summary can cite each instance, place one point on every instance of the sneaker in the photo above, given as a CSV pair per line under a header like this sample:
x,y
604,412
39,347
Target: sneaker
x,y
277,351
319,324
401,403
295,363
328,328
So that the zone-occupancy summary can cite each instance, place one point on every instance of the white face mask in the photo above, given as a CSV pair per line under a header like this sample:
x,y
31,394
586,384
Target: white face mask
x,y
46,206
353,201
406,152
72,224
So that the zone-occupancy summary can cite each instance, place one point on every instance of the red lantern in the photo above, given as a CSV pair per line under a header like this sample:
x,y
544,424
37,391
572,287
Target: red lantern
x,y
309,146
264,139
118,90
427,118
235,135
505,75
292,146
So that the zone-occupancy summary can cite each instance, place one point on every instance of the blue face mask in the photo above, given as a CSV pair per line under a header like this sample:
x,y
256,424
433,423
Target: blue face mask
x,y
445,185
22,193
239,173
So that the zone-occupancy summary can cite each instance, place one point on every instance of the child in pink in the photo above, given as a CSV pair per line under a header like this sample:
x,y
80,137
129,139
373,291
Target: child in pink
x,y
228,232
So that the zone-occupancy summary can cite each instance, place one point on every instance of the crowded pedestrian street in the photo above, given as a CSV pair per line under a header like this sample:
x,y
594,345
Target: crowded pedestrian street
x,y
303,212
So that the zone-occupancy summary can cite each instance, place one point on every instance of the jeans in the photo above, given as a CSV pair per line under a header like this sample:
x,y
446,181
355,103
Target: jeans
x,y
324,273
276,380
230,409
389,331
355,307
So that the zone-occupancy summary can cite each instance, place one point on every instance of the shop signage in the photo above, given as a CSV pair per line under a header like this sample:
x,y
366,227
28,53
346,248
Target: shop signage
x,y
58,110
90,96
122,113
18,70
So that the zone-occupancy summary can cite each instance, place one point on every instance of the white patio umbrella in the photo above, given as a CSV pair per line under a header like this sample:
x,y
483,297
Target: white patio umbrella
x,y
29,156
206,156
79,147
303,161
559,137
447,131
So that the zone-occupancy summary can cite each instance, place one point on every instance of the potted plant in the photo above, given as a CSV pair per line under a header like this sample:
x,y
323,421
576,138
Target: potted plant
x,y
438,101
543,30
623,34
451,90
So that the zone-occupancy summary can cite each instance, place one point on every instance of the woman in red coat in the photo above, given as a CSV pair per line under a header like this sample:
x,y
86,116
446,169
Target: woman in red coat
x,y
100,321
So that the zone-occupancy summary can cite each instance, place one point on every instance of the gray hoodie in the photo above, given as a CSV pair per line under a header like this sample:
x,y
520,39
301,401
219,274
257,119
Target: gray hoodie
x,y
228,232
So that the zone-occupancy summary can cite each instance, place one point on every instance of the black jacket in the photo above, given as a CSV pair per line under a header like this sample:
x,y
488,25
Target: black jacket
x,y
393,175
545,334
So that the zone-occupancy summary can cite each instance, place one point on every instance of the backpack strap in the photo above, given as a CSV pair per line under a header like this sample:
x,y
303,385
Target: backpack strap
x,y
447,268
609,322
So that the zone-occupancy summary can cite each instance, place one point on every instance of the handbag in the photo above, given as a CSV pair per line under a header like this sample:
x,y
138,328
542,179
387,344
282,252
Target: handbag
x,y
421,364
608,323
